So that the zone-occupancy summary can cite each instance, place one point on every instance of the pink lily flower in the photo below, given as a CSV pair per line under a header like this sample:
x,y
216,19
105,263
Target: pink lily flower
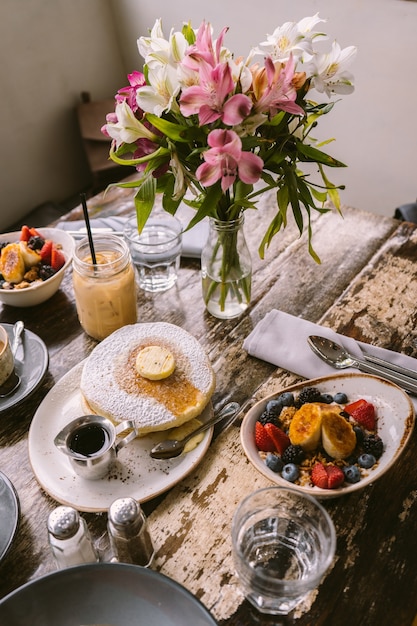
x,y
209,99
203,49
128,94
280,93
226,160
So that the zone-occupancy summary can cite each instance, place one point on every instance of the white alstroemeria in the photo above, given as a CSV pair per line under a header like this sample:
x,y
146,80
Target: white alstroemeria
x,y
127,129
159,96
157,50
241,73
329,70
291,38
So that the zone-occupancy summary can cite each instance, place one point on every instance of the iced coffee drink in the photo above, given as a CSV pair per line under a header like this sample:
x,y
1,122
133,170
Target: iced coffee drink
x,y
105,292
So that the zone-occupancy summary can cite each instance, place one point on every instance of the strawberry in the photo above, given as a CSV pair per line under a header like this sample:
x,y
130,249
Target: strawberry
x,y
319,476
335,475
34,232
327,477
25,233
57,258
280,439
262,440
45,251
363,413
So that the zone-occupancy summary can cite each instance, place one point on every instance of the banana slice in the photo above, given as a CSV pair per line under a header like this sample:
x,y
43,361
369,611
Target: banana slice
x,y
305,427
155,363
12,265
337,434
30,257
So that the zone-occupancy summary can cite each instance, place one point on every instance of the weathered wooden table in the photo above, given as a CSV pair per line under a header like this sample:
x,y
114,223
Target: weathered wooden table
x,y
366,287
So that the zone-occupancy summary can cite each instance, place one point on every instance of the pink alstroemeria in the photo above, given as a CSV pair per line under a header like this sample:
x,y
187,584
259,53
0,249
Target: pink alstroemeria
x,y
203,49
128,94
280,93
226,160
210,99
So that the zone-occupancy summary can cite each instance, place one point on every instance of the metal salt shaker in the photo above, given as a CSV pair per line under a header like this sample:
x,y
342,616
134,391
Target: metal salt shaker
x,y
69,538
128,532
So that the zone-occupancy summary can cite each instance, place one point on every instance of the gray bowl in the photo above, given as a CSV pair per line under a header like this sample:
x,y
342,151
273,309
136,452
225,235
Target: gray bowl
x,y
110,594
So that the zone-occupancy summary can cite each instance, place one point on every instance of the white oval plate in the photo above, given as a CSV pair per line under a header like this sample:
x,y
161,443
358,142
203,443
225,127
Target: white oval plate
x,y
395,413
135,473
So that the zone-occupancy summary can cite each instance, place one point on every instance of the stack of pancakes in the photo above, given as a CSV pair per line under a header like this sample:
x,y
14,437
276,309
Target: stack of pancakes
x,y
112,386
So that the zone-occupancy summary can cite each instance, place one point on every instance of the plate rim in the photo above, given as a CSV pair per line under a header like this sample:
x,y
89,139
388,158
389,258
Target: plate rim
x,y
15,399
16,514
135,574
196,455
316,491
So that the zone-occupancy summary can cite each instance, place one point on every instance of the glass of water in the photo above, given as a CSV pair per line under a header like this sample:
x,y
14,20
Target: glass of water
x,y
283,542
156,250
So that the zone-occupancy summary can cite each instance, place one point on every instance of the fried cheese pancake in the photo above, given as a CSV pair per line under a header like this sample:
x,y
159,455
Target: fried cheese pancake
x,y
112,386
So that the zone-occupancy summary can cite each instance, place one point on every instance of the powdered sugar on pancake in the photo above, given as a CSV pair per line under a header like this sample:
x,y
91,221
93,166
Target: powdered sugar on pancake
x,y
112,387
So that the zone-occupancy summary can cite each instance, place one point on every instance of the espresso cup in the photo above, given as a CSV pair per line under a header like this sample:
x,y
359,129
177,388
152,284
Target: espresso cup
x,y
6,356
91,443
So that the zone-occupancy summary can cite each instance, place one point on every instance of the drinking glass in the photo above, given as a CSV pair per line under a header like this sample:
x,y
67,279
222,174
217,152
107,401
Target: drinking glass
x,y
156,250
283,542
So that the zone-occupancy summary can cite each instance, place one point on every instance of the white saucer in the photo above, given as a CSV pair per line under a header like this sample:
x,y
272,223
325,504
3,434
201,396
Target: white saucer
x,y
135,473
31,370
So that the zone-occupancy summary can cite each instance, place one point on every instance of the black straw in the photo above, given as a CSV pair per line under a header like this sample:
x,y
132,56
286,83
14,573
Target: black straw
x,y
87,223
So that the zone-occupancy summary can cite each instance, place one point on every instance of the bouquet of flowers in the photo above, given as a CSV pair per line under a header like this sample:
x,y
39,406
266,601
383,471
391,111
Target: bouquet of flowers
x,y
227,129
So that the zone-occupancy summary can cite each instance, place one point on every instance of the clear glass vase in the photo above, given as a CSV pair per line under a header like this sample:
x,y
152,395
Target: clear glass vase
x,y
226,269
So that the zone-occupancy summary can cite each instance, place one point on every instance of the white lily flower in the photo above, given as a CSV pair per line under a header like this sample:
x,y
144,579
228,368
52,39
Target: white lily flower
x,y
291,38
159,95
156,49
329,70
127,129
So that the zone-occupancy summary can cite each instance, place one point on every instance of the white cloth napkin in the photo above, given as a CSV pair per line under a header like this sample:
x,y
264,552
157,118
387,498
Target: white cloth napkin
x,y
193,240
281,339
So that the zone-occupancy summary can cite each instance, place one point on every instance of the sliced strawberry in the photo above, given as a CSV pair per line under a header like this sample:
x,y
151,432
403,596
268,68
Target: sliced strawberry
x,y
46,251
57,258
262,440
327,477
319,476
335,475
363,413
280,439
34,233
25,233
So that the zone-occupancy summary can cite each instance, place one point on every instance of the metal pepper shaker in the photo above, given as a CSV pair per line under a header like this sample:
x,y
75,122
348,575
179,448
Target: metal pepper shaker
x,y
128,533
69,538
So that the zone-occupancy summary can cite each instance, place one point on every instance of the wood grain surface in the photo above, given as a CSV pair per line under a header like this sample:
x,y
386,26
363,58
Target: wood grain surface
x,y
365,287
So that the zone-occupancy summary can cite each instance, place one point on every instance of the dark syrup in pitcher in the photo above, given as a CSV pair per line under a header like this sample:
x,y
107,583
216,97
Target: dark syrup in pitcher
x,y
88,440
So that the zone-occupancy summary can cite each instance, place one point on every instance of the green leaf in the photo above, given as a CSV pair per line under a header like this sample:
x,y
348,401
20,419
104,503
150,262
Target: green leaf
x,y
144,201
272,230
309,153
208,206
176,132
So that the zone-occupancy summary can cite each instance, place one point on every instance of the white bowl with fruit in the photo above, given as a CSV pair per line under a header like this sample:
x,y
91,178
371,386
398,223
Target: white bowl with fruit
x,y
32,264
329,436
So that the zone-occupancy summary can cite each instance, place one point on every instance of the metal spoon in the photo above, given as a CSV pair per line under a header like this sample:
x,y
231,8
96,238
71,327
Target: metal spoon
x,y
338,357
170,448
13,382
18,328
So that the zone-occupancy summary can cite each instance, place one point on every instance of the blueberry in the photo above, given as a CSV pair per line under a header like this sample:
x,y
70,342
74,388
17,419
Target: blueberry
x,y
360,435
290,472
274,462
327,398
274,407
287,398
352,474
366,460
340,398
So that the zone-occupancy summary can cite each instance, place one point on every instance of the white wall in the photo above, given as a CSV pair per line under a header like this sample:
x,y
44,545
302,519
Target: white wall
x,y
51,50
375,129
